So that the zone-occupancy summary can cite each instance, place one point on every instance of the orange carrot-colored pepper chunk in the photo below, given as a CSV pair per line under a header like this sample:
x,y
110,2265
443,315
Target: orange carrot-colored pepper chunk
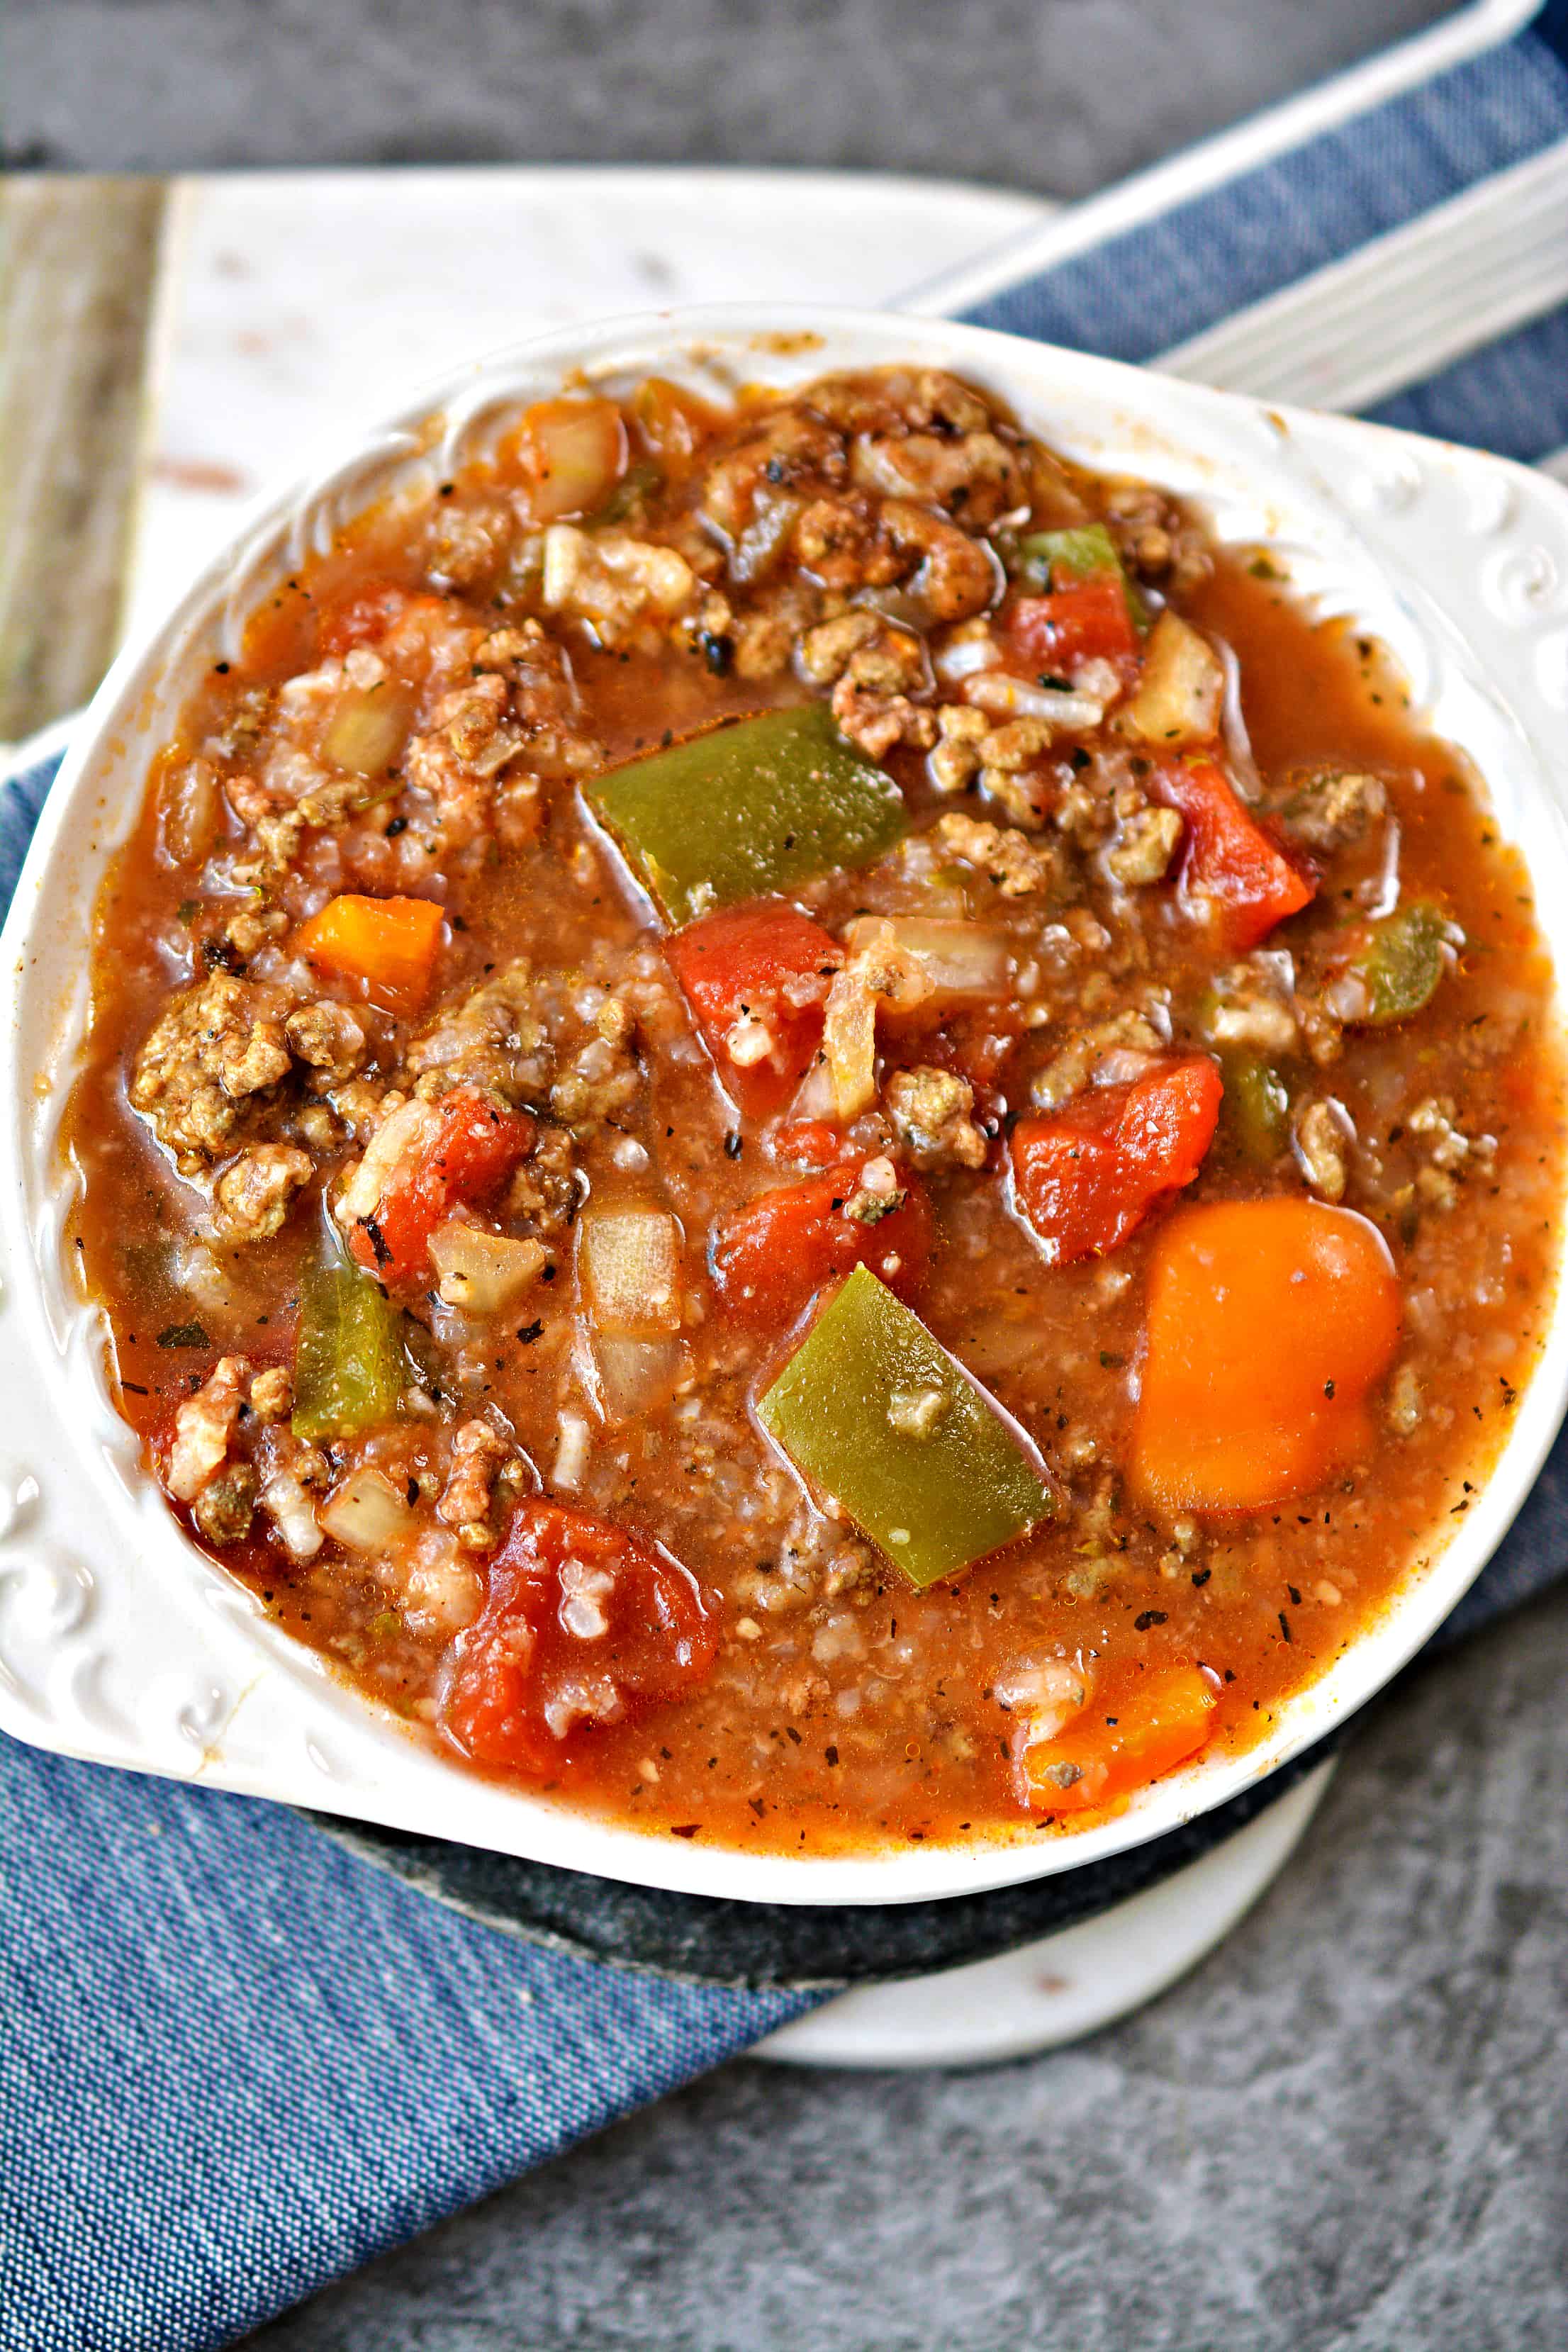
x,y
389,943
1269,1324
1111,1750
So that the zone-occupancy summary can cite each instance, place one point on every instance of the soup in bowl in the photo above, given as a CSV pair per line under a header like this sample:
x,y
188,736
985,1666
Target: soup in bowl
x,y
815,1131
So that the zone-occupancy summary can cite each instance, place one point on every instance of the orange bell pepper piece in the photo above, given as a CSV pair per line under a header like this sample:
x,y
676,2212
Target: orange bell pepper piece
x,y
1108,1750
1269,1324
389,943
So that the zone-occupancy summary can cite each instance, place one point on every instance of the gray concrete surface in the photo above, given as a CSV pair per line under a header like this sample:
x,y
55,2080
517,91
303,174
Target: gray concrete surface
x,y
1059,95
1348,2131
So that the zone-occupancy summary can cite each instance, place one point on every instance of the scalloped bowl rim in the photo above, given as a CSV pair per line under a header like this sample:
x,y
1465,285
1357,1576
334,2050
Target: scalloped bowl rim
x,y
122,1642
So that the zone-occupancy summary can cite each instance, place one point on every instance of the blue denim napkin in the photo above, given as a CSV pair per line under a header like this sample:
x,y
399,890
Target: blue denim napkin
x,y
1167,279
235,2063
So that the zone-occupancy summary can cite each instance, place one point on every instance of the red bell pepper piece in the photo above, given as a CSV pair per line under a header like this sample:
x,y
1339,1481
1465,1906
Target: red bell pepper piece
x,y
1230,860
474,1148
756,978
774,1254
1087,1176
1086,622
583,1623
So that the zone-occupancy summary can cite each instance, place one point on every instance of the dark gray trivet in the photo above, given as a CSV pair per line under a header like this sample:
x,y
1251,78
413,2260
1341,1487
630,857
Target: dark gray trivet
x,y
762,1946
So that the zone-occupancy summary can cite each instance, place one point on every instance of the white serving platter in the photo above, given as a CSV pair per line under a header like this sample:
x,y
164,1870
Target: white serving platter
x,y
119,1642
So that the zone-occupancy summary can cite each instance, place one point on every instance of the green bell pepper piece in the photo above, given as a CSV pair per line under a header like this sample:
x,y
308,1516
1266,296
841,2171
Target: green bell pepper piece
x,y
349,1368
1400,961
749,809
1054,558
1256,1107
875,1414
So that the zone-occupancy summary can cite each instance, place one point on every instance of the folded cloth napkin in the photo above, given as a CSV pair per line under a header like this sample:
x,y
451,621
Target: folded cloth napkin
x,y
235,2063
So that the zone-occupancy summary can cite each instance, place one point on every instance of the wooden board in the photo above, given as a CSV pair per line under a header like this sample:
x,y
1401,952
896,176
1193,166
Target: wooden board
x,y
78,268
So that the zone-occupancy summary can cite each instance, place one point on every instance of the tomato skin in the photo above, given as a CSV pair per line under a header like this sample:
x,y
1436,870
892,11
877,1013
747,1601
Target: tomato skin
x,y
1088,621
474,1151
745,960
521,1660
772,1256
1230,860
1086,1177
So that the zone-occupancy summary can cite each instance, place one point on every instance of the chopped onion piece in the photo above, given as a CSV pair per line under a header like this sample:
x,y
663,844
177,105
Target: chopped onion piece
x,y
628,1264
190,813
1181,691
957,959
1014,698
403,1131
849,1043
368,729
762,542
636,1375
480,1272
966,658
813,1097
571,452
366,1513
1243,767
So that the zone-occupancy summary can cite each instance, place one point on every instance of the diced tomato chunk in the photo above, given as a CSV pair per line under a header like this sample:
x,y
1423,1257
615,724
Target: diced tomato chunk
x,y
583,1621
1087,1176
1116,1745
1088,621
1230,860
756,978
771,1257
473,1150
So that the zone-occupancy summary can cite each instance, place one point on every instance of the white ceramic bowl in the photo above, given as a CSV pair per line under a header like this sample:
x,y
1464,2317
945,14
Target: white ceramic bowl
x,y
119,1642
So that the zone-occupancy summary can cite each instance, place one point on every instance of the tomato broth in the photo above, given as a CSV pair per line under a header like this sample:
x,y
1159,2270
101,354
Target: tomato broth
x,y
804,1125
